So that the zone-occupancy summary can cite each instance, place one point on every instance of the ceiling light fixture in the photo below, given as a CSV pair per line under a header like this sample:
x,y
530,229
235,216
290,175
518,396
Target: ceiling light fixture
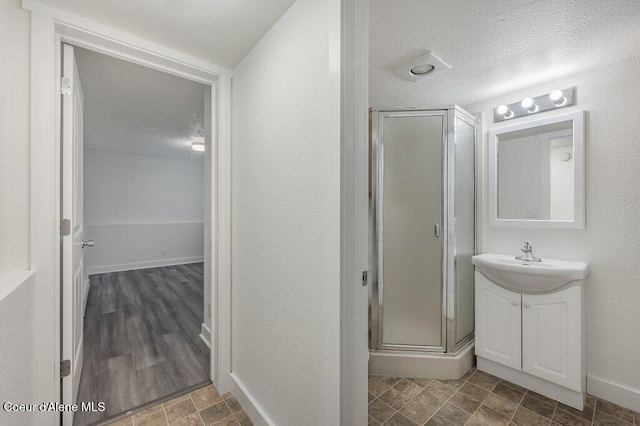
x,y
426,64
198,146
422,69
547,102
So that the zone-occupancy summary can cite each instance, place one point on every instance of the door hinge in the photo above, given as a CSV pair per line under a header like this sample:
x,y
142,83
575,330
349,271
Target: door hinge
x,y
65,86
65,368
365,278
65,227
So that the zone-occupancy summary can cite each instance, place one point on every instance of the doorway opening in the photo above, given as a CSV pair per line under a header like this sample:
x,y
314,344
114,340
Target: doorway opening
x,y
136,277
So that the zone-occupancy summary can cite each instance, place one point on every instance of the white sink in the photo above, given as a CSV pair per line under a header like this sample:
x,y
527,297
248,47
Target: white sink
x,y
529,277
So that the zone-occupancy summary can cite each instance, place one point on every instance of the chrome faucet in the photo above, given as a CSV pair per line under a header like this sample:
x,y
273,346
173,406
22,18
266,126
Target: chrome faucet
x,y
528,256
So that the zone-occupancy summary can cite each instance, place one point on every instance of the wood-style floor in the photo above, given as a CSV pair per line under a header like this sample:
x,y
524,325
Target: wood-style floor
x,y
141,338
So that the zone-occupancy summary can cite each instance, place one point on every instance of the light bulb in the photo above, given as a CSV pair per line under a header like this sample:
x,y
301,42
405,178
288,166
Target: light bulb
x,y
526,103
556,95
502,109
557,98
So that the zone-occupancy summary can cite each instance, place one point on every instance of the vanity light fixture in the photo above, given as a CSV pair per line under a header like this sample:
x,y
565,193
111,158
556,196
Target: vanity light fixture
x,y
504,111
558,98
529,105
198,146
554,100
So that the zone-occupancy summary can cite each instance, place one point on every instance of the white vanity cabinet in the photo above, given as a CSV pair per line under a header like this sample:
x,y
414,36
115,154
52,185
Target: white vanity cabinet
x,y
535,340
498,323
552,336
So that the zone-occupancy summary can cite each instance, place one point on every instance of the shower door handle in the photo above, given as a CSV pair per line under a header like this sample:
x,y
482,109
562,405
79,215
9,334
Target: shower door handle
x,y
436,230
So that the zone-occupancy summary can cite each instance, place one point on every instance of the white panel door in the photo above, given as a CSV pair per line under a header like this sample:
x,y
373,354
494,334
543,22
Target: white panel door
x,y
498,323
551,336
73,281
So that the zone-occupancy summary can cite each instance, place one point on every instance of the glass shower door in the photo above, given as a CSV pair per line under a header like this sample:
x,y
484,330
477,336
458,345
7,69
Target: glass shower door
x,y
409,230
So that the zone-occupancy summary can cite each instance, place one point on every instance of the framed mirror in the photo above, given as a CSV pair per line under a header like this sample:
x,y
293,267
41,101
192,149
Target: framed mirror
x,y
536,173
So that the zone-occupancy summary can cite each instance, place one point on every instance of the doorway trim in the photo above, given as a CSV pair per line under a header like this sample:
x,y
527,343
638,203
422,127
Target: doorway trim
x,y
49,28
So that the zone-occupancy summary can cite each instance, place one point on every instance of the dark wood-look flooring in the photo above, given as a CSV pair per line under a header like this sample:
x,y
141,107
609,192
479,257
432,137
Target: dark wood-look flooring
x,y
141,338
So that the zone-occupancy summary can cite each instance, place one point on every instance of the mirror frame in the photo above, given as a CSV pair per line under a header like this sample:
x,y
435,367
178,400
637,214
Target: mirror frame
x,y
578,221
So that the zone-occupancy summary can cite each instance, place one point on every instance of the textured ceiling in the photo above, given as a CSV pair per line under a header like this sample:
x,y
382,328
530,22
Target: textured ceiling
x,y
136,110
219,31
493,47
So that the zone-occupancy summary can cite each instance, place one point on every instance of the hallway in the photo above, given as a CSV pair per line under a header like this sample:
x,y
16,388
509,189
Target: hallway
x,y
141,338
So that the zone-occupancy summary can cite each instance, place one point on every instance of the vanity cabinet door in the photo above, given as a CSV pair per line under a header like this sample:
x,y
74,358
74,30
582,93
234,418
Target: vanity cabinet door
x,y
498,323
551,336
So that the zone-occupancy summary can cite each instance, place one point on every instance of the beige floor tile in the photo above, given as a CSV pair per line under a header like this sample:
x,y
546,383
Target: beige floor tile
x,y
215,413
524,417
390,381
147,412
437,420
156,419
615,410
542,398
603,419
464,402
416,412
233,404
428,400
454,414
423,383
501,405
227,421
586,413
180,410
491,416
474,391
474,421
191,420
399,420
408,388
380,411
176,400
442,391
511,394
202,389
538,406
377,387
125,421
206,398
243,419
373,422
394,398
484,380
567,419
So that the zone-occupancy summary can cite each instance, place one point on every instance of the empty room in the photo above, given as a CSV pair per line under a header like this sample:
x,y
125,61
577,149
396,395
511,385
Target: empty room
x,y
142,210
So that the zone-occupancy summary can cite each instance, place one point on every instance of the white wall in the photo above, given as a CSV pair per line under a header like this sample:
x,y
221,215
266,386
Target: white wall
x,y
135,207
17,345
285,221
611,241
14,136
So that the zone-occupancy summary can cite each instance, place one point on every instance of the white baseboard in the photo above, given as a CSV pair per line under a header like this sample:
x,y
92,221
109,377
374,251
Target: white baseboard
x,y
205,335
614,392
250,406
143,265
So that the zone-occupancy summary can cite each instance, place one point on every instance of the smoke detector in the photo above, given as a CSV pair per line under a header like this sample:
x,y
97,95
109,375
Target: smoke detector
x,y
423,65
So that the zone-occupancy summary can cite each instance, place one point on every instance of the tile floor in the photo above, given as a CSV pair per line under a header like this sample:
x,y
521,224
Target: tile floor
x,y
478,399
204,406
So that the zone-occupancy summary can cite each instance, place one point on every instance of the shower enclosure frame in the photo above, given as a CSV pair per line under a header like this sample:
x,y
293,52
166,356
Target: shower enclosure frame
x,y
449,114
